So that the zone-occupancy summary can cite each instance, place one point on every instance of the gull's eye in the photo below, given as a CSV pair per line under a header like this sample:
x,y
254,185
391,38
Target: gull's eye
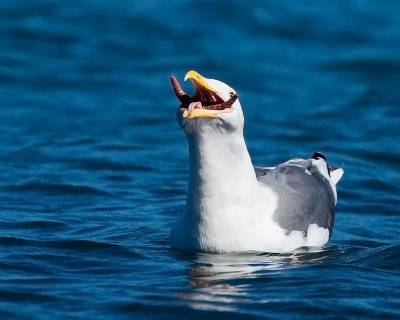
x,y
232,93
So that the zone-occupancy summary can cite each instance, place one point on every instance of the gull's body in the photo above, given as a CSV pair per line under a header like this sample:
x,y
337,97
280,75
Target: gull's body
x,y
232,206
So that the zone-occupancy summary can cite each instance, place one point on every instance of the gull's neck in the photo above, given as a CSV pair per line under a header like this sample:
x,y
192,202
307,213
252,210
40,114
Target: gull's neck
x,y
222,181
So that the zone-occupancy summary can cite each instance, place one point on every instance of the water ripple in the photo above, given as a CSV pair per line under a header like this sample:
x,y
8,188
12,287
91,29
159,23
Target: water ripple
x,y
53,189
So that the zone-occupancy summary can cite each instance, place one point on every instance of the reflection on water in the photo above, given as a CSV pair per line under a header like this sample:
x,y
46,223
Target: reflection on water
x,y
221,282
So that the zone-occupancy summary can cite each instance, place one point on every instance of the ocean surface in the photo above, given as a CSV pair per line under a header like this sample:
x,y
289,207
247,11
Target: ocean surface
x,y
94,168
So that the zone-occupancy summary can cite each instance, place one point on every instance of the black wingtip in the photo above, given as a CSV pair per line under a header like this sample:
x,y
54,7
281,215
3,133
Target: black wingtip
x,y
318,155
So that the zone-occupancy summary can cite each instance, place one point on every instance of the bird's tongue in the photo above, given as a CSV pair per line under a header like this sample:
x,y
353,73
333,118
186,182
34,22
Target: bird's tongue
x,y
194,105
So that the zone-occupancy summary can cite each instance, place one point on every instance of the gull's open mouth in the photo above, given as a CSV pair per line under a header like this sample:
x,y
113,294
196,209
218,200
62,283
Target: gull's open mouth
x,y
206,102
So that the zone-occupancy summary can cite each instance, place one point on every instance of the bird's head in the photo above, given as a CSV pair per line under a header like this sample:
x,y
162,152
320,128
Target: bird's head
x,y
214,106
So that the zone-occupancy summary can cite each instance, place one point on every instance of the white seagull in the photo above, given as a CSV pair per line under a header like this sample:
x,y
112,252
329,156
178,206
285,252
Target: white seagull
x,y
232,206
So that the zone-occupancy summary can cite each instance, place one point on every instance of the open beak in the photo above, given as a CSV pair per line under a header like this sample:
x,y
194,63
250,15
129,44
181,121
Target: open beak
x,y
206,102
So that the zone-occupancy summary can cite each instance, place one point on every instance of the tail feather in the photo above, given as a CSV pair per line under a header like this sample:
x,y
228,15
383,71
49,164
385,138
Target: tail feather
x,y
336,175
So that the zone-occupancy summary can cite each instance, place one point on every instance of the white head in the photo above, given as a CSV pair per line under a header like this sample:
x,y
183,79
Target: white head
x,y
214,107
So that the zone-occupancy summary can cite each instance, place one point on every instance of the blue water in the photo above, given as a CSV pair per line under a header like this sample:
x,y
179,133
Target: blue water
x,y
94,167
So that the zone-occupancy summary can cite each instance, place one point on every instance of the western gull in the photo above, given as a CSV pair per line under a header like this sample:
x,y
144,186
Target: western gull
x,y
232,206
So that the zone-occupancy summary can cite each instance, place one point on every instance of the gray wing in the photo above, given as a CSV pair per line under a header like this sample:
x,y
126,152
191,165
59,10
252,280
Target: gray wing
x,y
305,195
261,171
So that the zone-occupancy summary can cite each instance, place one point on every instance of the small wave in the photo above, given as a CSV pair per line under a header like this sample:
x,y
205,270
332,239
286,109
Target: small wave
x,y
373,66
88,245
103,164
54,189
77,245
384,257
13,241
33,225
78,142
118,178
15,296
167,191
383,157
118,147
